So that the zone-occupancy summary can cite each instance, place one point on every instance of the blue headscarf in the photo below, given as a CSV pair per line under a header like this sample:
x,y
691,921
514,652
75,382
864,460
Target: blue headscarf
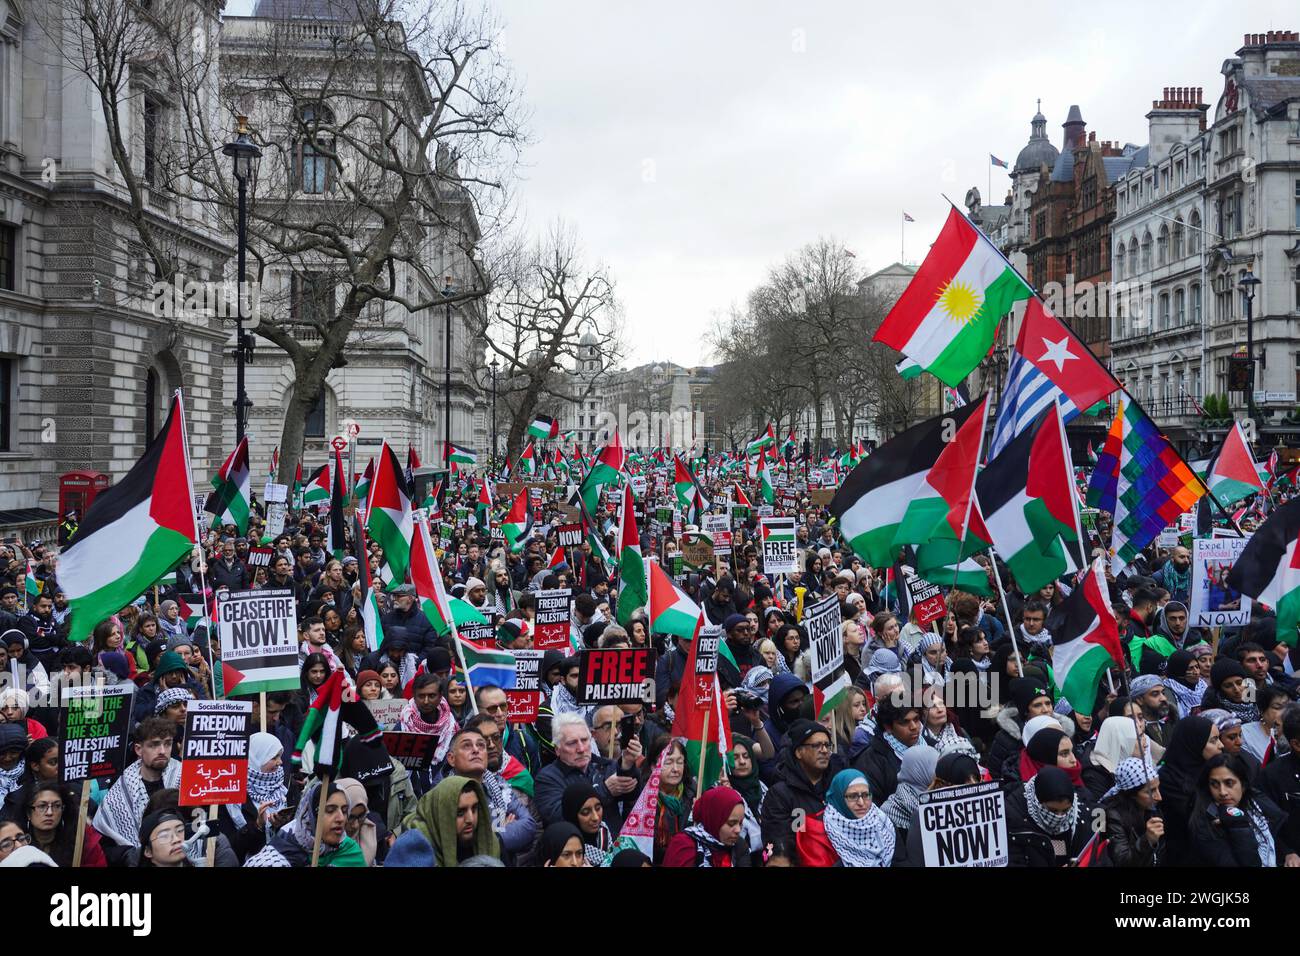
x,y
839,786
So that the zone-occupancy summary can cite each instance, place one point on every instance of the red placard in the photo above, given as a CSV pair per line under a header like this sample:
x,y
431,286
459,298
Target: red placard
x,y
214,757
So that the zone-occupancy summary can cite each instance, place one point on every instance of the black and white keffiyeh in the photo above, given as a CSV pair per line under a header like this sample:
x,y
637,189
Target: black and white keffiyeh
x,y
1055,824
866,841
122,811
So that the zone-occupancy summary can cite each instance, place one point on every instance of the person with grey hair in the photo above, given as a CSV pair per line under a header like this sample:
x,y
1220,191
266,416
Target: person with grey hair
x,y
576,761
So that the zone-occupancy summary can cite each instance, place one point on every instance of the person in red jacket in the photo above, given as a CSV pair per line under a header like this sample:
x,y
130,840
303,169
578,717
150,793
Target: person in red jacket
x,y
714,839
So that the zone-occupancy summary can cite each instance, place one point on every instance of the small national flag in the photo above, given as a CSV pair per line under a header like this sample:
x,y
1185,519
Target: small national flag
x,y
907,218
412,463
544,427
701,719
607,469
462,456
527,463
518,522
388,516
317,490
1092,454
442,610
134,533
1232,474
671,610
1269,568
632,594
765,439
322,725
1087,639
230,500
486,668
765,483
483,509
31,586
297,484
998,162
361,491
334,541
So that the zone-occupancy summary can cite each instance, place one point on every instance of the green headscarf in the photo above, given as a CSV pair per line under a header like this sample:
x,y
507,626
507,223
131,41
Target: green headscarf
x,y
435,816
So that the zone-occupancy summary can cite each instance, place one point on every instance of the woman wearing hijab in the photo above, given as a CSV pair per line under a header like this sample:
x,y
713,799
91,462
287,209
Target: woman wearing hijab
x,y
562,846
14,705
1232,823
742,772
1135,831
458,701
676,794
249,825
1046,822
1194,741
1184,683
953,769
453,817
292,845
858,830
1117,740
359,826
581,806
915,774
1050,747
715,839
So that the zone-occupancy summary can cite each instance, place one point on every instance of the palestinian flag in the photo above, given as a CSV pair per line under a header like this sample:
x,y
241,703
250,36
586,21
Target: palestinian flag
x,y
229,502
968,576
1233,475
671,610
1027,497
1092,455
485,668
706,726
544,427
948,316
607,469
788,447
742,499
765,484
297,484
317,490
275,463
134,533
388,516
527,463
557,559
323,726
412,463
765,440
518,522
369,603
1087,640
483,510
1269,568
462,456
914,489
687,488
631,568
334,534
361,490
426,578
31,586
430,502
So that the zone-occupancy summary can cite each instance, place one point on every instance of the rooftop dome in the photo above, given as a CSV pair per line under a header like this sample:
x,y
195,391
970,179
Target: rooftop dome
x,y
1038,150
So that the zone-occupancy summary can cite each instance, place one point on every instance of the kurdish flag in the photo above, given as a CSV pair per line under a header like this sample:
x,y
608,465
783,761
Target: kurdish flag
x,y
461,456
631,568
229,502
486,668
426,578
544,427
671,610
134,533
1233,475
1141,480
606,469
1027,497
1087,641
388,515
1269,568
518,522
317,490
947,317
917,489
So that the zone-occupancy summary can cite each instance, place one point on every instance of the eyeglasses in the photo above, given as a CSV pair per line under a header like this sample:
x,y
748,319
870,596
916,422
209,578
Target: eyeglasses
x,y
858,797
169,834
21,839
821,746
47,807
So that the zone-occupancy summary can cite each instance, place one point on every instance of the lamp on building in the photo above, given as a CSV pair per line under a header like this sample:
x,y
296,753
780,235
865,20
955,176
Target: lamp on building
x,y
245,156
1247,284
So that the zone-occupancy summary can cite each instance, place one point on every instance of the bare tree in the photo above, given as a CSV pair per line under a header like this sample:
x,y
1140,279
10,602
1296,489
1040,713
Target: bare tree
x,y
547,300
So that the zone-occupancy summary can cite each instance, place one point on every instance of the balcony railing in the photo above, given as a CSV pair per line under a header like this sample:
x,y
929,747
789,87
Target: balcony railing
x,y
1166,409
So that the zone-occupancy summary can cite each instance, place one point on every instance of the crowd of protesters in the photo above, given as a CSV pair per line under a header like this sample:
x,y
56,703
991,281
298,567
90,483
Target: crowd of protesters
x,y
1185,758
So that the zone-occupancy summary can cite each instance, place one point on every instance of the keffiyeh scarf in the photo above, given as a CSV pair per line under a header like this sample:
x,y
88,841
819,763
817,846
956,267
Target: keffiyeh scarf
x,y
445,726
122,811
705,841
1130,774
1246,713
1055,824
897,746
1187,698
898,808
11,780
861,841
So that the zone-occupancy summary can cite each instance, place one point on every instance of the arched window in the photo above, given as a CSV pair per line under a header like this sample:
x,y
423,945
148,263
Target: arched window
x,y
1132,257
150,405
315,425
1119,261
1180,307
313,169
1146,252
1194,232
1162,245
1179,239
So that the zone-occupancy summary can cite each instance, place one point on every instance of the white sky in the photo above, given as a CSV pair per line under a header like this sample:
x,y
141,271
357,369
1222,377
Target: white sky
x,y
693,145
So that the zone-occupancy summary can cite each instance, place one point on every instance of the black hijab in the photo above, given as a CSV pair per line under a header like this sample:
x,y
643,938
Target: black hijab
x,y
575,797
555,838
1183,757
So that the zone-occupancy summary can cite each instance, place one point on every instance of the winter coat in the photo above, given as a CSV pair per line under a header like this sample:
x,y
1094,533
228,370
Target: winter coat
x,y
234,575
415,630
879,764
1030,845
1280,781
549,786
1212,844
792,791
1126,833
1007,744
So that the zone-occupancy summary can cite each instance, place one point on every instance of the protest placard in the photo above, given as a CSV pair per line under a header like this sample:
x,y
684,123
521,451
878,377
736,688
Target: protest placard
x,y
413,751
718,527
826,642
214,757
924,597
780,554
259,639
616,674
481,634
526,696
706,665
1214,602
551,627
93,733
387,713
964,826
570,535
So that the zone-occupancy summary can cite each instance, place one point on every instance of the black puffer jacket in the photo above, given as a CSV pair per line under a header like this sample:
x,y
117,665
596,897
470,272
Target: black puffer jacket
x,y
1030,845
879,764
1214,844
792,792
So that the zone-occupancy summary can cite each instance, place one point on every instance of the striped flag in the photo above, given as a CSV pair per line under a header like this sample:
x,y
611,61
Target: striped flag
x,y
334,533
317,489
486,668
998,162
230,500
322,725
462,456
544,427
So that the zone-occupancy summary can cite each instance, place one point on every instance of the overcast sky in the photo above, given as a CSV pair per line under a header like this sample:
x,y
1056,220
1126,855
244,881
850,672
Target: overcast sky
x,y
694,145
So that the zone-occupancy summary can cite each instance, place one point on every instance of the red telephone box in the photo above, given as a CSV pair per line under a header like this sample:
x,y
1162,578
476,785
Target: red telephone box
x,y
78,489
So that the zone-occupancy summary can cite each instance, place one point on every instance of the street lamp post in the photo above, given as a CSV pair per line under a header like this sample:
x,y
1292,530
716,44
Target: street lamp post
x,y
446,373
1247,283
494,366
245,155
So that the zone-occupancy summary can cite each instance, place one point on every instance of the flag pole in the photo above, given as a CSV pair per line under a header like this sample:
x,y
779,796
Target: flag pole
x,y
1002,593
320,819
